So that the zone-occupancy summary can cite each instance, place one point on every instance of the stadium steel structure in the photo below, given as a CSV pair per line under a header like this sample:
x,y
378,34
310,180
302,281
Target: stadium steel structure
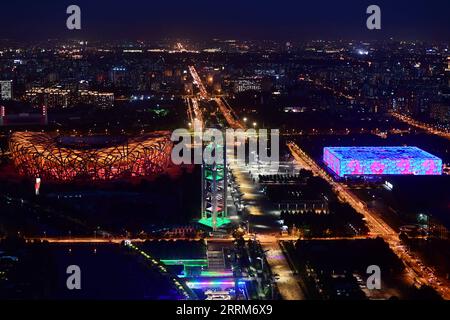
x,y
214,194
40,155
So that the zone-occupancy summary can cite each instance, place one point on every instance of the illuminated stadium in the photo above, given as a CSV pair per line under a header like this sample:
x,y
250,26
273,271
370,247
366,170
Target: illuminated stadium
x,y
381,161
38,154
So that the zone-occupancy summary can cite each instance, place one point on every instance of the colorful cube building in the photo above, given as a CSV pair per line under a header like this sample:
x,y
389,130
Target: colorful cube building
x,y
345,161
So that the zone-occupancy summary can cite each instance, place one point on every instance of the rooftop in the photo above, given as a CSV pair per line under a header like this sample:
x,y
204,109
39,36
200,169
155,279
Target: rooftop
x,y
379,153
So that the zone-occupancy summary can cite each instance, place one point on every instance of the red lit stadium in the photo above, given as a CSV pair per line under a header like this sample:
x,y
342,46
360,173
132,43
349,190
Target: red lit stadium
x,y
89,158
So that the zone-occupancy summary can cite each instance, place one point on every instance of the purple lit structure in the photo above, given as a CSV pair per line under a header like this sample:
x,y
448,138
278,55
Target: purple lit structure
x,y
381,161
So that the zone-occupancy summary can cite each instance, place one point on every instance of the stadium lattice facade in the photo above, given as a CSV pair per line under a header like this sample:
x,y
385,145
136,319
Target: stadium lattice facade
x,y
38,154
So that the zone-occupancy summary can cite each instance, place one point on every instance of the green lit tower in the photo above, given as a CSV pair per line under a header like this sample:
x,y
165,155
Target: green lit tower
x,y
214,194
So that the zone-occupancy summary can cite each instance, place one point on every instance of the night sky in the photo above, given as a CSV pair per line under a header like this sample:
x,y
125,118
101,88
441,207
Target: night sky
x,y
241,19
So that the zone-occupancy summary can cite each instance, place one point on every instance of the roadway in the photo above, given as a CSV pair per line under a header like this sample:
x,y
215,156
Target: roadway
x,y
287,282
197,111
194,112
421,125
198,82
266,238
334,91
268,234
229,114
190,112
224,107
116,239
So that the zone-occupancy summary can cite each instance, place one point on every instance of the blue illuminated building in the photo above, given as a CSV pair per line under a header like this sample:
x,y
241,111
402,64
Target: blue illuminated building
x,y
381,161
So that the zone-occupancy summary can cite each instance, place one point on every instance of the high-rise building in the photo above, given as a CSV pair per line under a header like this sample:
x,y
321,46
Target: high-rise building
x,y
247,84
6,90
118,75
44,115
100,99
51,97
